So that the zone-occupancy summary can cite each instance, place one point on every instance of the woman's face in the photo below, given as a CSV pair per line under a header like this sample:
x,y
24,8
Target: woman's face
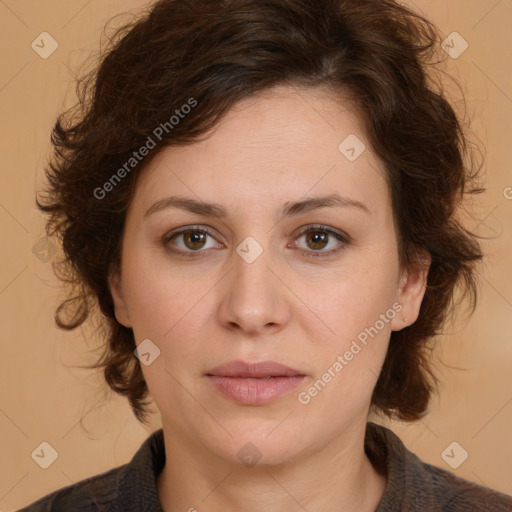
x,y
273,272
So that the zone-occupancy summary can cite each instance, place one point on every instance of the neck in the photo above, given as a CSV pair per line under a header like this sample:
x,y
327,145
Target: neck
x,y
338,477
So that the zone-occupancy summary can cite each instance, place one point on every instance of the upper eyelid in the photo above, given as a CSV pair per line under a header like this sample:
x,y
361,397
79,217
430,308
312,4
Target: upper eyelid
x,y
180,231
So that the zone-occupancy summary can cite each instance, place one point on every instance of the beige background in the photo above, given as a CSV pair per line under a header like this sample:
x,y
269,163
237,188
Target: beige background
x,y
45,397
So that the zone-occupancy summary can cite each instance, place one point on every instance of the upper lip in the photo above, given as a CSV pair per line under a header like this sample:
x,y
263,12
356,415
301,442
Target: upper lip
x,y
244,369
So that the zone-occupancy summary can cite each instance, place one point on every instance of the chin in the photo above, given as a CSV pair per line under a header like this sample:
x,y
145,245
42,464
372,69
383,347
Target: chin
x,y
267,444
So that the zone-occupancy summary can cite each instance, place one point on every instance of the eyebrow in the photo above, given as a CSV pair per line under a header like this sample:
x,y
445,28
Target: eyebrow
x,y
289,209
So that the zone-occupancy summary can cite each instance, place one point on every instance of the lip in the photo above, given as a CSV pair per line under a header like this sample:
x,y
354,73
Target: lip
x,y
255,370
249,383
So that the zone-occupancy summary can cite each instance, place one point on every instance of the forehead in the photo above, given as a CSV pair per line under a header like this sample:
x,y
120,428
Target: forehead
x,y
281,144
309,120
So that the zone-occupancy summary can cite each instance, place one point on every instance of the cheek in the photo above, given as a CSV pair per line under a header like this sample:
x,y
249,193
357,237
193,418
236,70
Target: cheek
x,y
356,315
348,304
159,295
348,363
176,314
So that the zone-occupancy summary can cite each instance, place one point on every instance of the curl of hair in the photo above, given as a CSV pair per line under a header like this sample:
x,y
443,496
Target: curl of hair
x,y
374,53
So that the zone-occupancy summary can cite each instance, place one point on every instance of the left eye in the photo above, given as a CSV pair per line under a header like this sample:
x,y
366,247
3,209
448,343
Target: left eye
x,y
319,238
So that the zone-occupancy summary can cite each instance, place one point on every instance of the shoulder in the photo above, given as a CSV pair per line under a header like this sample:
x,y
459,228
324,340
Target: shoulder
x,y
95,493
415,485
458,494
130,487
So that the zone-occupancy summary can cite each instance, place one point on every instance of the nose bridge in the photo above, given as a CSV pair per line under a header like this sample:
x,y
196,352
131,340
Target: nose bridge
x,y
255,297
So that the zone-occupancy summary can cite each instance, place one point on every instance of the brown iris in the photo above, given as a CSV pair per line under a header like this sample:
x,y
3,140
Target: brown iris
x,y
317,239
194,239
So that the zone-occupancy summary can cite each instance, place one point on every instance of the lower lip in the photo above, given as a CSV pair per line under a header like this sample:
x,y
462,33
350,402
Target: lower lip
x,y
255,391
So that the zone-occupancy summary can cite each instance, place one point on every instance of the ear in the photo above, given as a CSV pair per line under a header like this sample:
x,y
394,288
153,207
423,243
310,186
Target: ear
x,y
413,282
116,290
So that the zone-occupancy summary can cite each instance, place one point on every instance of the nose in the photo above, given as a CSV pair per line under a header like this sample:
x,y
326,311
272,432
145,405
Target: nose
x,y
254,299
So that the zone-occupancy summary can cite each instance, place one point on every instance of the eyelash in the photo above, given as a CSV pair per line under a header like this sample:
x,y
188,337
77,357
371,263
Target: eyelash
x,y
343,238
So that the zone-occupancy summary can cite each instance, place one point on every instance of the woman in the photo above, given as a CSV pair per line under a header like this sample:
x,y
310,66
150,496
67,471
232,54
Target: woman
x,y
260,197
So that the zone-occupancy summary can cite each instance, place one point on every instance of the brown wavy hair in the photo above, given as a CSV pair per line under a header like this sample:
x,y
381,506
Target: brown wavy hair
x,y
378,53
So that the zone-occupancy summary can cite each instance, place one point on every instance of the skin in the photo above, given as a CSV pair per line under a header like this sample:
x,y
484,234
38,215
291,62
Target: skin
x,y
303,311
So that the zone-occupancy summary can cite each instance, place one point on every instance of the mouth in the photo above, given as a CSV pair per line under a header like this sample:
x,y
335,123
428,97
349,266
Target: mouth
x,y
249,383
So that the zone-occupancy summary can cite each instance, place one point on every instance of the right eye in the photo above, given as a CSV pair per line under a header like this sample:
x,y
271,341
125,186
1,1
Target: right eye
x,y
192,239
